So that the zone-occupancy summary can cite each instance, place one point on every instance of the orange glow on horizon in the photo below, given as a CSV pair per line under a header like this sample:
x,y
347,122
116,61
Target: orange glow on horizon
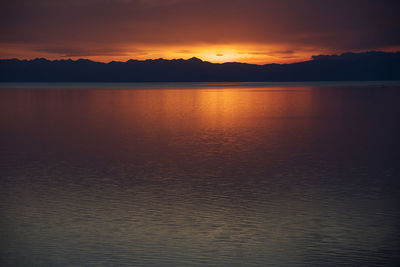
x,y
252,54
243,53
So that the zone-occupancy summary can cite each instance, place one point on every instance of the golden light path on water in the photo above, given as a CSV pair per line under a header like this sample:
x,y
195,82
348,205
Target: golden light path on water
x,y
190,174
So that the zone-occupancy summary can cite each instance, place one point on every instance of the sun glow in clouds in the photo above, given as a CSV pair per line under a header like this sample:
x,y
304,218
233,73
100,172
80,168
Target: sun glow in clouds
x,y
220,55
244,53
205,53
248,31
253,54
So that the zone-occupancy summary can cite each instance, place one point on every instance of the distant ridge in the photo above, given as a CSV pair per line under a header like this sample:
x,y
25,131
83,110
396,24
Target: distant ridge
x,y
364,66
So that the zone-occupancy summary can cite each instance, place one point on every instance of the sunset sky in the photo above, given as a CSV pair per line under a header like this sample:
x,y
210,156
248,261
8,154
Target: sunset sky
x,y
251,31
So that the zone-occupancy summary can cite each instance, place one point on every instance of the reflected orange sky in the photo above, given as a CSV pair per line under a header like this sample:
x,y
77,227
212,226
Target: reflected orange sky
x,y
179,110
168,116
182,110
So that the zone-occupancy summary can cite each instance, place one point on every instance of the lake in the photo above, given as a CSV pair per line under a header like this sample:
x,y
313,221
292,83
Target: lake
x,y
233,174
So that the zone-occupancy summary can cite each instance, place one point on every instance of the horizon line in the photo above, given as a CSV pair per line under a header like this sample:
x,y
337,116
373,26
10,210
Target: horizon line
x,y
194,58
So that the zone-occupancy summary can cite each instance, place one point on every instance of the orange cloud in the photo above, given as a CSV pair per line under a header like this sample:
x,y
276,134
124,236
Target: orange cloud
x,y
253,31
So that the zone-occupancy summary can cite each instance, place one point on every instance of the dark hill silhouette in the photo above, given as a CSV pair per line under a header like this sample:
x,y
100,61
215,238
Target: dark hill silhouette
x,y
345,67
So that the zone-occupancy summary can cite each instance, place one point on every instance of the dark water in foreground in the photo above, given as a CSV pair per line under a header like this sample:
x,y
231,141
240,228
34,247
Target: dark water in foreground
x,y
212,176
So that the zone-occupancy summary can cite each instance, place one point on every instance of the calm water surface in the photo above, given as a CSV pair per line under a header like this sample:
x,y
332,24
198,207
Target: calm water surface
x,y
204,175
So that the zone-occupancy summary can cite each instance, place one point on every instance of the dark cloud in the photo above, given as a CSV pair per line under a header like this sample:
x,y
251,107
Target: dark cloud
x,y
113,24
81,51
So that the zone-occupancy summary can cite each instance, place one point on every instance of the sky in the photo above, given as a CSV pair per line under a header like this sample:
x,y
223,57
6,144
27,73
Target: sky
x,y
250,31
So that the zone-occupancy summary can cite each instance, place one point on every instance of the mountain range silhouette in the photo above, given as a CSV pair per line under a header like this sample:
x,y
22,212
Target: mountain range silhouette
x,y
363,66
